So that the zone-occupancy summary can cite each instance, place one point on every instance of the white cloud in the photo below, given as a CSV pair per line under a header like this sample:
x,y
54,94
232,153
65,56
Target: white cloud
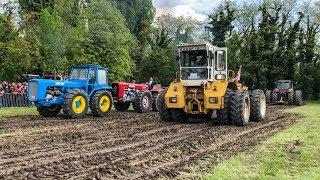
x,y
197,9
186,11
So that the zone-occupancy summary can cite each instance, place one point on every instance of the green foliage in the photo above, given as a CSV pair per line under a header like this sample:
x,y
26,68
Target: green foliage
x,y
159,63
108,40
221,23
272,41
50,35
180,29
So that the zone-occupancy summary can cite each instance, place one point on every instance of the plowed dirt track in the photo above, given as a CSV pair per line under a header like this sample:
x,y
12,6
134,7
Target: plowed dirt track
x,y
122,146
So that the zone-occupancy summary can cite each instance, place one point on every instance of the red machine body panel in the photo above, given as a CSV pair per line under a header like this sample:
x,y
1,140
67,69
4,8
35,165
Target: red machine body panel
x,y
121,87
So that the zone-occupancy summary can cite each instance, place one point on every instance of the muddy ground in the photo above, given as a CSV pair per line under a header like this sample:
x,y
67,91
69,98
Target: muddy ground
x,y
123,146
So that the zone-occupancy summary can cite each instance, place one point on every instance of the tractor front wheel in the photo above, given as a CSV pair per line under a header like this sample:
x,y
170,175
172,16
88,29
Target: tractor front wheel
x,y
269,95
76,104
101,103
291,98
298,97
121,106
164,112
223,115
154,102
142,102
240,108
49,111
178,115
258,106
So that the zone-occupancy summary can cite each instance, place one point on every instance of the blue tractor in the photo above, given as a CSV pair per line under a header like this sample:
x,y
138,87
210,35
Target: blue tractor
x,y
86,87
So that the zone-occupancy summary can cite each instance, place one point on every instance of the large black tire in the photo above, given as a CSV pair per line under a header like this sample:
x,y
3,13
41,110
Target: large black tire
x,y
121,106
269,95
223,115
208,116
291,98
240,108
68,104
49,111
101,103
142,102
164,112
274,96
154,102
258,106
298,97
178,115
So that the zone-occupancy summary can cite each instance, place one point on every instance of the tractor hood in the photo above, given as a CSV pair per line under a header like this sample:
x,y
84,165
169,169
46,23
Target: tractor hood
x,y
58,83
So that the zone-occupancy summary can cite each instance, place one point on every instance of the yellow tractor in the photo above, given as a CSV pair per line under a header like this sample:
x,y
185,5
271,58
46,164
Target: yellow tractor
x,y
205,85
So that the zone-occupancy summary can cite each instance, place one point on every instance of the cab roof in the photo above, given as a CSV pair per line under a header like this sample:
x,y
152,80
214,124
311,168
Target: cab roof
x,y
88,66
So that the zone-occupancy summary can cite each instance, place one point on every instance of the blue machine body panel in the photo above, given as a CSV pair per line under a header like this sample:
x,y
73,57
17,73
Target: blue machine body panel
x,y
89,78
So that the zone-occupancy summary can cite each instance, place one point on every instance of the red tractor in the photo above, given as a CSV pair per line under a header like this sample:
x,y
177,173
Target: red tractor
x,y
284,93
139,95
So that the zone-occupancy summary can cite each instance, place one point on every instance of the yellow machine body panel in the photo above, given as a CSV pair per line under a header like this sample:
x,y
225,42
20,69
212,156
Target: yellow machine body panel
x,y
196,100
175,96
214,94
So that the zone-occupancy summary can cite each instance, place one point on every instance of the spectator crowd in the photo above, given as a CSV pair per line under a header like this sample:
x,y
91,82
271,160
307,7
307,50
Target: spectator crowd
x,y
13,88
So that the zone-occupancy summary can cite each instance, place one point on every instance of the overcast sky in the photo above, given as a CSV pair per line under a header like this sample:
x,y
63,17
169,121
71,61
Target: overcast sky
x,y
194,8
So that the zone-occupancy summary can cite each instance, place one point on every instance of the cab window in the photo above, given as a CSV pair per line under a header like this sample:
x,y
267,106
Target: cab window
x,y
102,77
220,60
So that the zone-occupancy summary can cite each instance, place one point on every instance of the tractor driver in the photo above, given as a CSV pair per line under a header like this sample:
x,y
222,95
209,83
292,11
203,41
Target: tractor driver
x,y
151,83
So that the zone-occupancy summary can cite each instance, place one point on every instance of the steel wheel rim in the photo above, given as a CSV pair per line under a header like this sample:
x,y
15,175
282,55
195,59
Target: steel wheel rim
x,y
145,102
246,110
263,106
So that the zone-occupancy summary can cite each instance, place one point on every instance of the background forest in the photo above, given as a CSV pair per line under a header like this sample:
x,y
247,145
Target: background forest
x,y
271,39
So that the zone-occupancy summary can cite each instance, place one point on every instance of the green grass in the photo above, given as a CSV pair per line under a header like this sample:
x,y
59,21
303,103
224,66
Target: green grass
x,y
291,154
21,111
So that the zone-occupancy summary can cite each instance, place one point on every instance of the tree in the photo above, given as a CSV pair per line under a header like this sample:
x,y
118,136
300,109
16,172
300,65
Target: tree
x,y
220,23
14,50
50,35
108,40
180,29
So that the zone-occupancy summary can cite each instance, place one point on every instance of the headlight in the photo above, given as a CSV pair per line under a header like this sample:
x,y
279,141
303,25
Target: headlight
x,y
213,100
173,100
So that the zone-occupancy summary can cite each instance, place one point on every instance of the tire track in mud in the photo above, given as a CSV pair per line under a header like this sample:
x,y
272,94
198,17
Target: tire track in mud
x,y
134,147
44,156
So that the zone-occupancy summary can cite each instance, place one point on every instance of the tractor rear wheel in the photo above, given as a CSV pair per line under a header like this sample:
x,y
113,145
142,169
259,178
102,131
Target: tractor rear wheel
x,y
240,108
121,106
101,103
164,112
49,111
274,96
298,97
76,104
291,98
258,106
223,115
142,102
154,102
269,95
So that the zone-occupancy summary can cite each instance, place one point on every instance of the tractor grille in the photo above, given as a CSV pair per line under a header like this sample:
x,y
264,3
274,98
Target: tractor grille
x,y
33,91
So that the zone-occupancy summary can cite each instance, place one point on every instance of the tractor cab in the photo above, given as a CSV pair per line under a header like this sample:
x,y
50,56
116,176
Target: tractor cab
x,y
91,77
284,85
202,63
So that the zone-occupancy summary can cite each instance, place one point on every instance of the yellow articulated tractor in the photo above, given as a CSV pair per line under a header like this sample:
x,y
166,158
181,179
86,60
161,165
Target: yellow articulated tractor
x,y
204,86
